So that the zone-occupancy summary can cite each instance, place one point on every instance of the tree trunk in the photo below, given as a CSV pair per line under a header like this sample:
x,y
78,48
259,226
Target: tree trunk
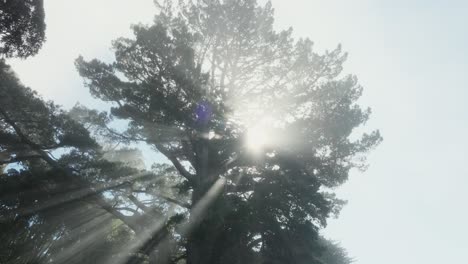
x,y
205,222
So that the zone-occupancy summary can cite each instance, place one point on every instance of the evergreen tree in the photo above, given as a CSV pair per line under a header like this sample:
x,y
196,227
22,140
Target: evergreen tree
x,y
22,27
52,182
256,125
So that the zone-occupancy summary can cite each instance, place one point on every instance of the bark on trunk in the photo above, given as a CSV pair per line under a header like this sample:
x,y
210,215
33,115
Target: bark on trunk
x,y
202,237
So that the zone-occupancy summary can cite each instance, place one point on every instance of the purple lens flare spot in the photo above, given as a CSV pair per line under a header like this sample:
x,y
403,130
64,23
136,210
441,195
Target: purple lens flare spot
x,y
203,113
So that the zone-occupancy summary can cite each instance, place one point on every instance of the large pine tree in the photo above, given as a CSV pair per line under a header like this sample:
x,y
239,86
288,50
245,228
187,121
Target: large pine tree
x,y
257,125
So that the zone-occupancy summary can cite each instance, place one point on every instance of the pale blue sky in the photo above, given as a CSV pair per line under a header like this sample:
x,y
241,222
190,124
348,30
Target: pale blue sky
x,y
412,59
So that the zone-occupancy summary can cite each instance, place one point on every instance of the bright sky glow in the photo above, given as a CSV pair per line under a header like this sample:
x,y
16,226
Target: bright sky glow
x,y
412,59
257,138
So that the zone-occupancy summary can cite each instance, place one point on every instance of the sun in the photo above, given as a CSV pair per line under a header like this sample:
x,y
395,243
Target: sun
x,y
257,138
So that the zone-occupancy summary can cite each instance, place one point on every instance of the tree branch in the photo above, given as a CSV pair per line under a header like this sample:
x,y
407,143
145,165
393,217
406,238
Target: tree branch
x,y
141,205
183,172
190,177
127,209
172,200
53,163
169,199
20,158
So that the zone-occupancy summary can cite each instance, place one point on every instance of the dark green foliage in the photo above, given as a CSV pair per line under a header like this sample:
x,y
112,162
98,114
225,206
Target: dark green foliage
x,y
45,125
22,27
51,208
333,253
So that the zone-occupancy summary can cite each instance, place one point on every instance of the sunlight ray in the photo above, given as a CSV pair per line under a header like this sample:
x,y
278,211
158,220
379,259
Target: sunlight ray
x,y
97,230
196,215
72,196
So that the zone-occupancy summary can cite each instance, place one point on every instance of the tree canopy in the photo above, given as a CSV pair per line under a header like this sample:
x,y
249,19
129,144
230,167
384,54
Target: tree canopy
x,y
22,27
255,128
